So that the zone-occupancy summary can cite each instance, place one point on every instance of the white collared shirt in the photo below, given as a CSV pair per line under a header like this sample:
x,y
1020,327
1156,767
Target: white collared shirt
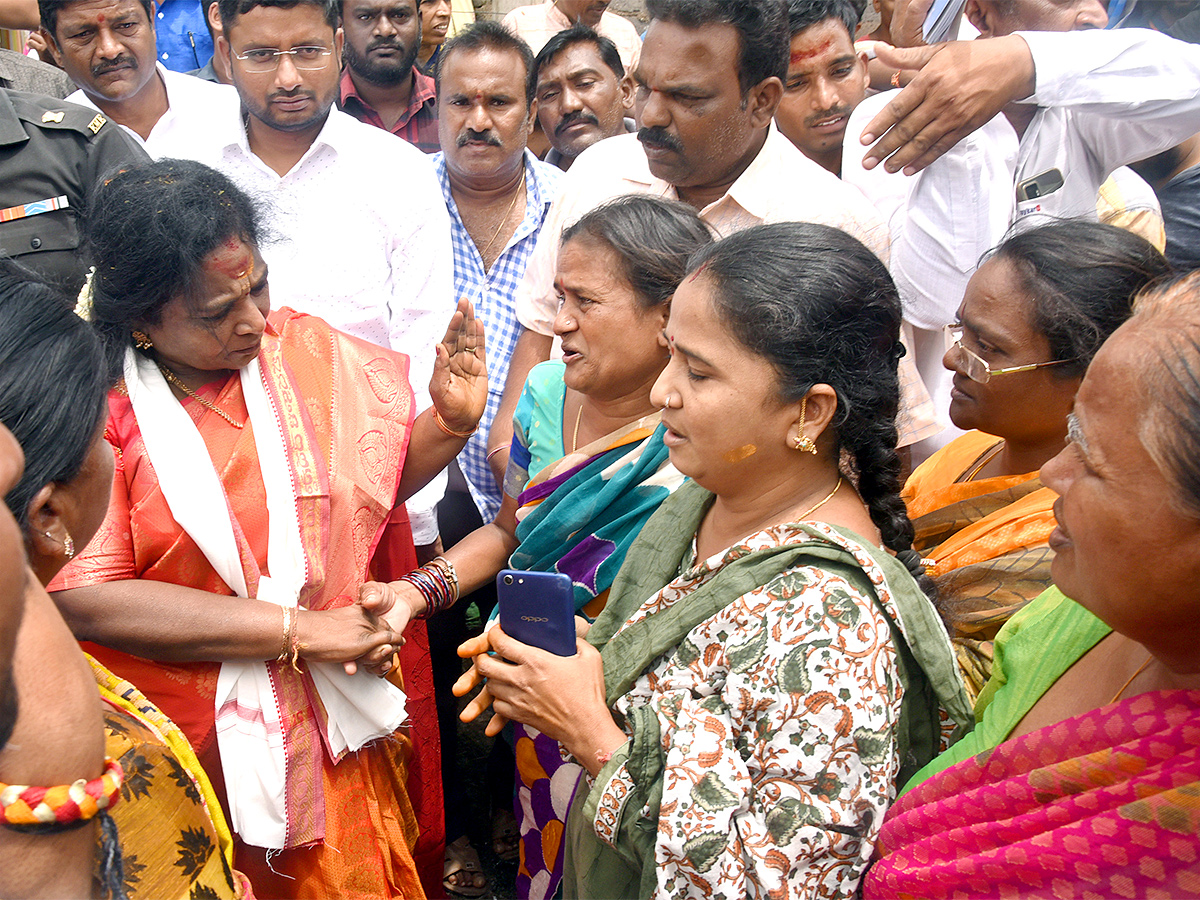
x,y
358,234
780,185
1105,98
192,106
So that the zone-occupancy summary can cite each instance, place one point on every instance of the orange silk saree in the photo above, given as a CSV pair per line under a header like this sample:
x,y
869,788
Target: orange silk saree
x,y
345,410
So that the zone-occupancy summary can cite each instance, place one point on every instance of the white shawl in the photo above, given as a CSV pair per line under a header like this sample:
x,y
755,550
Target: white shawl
x,y
359,708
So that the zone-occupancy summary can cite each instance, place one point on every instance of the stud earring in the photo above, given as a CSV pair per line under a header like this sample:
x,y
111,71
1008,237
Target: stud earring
x,y
142,341
803,441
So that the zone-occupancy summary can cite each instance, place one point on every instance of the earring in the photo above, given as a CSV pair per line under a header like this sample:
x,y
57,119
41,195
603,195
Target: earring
x,y
802,440
142,341
67,542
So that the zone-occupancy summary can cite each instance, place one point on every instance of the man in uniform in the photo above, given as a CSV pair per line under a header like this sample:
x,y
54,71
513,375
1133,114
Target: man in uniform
x,y
51,155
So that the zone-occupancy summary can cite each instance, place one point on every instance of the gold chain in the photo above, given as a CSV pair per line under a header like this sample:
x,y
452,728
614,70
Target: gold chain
x,y
1141,669
175,380
503,219
813,509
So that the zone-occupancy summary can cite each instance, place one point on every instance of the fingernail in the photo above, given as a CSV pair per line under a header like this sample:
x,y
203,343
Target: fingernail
x,y
867,138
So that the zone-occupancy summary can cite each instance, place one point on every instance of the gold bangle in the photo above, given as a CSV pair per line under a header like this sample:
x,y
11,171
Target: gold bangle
x,y
441,423
896,79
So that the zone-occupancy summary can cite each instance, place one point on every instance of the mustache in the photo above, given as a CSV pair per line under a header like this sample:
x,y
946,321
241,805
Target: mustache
x,y
295,92
660,137
828,114
484,137
389,43
118,63
579,115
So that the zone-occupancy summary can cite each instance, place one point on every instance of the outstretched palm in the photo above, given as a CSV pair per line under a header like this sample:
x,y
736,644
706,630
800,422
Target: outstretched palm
x,y
459,383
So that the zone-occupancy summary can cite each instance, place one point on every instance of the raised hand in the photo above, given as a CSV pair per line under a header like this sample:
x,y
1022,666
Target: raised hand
x,y
960,86
459,383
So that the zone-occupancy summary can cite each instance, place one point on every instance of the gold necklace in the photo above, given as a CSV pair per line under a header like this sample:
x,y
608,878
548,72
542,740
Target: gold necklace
x,y
175,380
821,503
1141,669
503,219
575,436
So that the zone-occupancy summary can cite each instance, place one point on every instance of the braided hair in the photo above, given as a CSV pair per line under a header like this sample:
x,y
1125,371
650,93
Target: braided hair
x,y
822,309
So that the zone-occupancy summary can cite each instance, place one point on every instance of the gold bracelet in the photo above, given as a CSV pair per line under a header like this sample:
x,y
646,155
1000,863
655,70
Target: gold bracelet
x,y
441,423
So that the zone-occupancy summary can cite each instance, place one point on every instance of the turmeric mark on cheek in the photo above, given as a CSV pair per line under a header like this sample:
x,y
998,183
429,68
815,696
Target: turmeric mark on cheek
x,y
736,456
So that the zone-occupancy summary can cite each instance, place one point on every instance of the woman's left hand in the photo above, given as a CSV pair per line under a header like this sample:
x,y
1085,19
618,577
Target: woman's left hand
x,y
526,684
459,383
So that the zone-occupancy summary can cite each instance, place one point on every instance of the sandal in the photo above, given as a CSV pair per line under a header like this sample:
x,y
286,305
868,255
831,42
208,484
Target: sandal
x,y
462,862
506,836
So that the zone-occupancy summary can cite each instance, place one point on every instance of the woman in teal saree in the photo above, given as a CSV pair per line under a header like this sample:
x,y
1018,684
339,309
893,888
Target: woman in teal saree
x,y
587,466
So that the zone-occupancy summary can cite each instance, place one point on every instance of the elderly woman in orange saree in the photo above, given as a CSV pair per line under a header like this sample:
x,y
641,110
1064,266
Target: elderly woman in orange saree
x,y
259,464
1083,776
1032,318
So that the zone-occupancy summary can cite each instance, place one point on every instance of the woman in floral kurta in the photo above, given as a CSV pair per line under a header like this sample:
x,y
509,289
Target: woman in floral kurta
x,y
763,671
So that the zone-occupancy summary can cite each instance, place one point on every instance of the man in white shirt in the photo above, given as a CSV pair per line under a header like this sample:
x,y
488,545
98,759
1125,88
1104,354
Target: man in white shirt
x,y
108,49
538,22
1099,101
709,81
362,236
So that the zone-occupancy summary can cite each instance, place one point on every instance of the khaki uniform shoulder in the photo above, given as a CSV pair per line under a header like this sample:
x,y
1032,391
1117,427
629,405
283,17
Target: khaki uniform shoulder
x,y
57,115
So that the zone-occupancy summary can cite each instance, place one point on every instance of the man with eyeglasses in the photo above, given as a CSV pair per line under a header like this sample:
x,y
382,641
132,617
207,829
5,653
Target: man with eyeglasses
x,y
108,49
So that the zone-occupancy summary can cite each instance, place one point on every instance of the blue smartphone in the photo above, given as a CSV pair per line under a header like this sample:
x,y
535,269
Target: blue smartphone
x,y
538,608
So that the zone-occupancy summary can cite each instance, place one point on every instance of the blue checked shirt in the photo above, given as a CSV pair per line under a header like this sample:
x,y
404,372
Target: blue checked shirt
x,y
492,295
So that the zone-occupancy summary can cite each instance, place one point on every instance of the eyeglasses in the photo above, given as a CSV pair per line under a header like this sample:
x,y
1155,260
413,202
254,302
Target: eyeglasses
x,y
265,59
976,367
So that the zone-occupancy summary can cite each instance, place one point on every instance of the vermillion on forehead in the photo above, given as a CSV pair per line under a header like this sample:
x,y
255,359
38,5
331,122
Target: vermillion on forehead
x,y
801,55
233,259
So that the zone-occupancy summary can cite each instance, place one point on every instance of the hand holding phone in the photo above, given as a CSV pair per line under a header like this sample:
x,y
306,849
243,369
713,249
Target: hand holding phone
x,y
538,608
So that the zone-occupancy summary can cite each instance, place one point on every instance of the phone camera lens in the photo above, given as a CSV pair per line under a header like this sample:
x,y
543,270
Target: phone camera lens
x,y
508,579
